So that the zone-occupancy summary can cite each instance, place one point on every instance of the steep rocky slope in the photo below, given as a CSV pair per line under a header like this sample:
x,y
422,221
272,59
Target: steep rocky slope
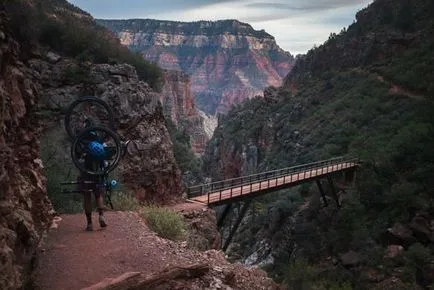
x,y
138,115
179,105
24,206
228,61
33,86
341,98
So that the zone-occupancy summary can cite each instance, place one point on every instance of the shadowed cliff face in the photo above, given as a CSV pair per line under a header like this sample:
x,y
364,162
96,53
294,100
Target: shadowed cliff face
x,y
228,60
24,206
179,106
150,169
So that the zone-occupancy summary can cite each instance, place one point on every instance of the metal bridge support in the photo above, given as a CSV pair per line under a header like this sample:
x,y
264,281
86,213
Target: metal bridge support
x,y
318,182
333,189
234,229
350,176
223,215
354,178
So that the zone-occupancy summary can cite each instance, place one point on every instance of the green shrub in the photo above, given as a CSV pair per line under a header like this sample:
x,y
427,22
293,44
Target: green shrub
x,y
339,286
182,150
300,275
55,24
165,222
124,201
418,255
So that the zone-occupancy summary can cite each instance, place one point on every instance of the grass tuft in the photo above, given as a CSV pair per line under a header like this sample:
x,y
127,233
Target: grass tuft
x,y
124,201
165,222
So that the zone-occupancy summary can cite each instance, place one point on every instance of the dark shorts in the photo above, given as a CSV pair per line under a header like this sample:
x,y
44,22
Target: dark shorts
x,y
90,183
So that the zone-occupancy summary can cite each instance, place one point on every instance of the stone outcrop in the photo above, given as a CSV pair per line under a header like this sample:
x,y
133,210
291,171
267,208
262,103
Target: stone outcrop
x,y
213,273
203,231
350,259
400,234
150,169
228,61
179,105
393,251
24,206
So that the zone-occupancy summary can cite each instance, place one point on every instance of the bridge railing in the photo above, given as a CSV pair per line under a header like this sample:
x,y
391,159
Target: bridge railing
x,y
220,186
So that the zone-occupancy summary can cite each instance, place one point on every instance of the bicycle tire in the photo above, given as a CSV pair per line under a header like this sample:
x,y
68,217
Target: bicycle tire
x,y
79,140
71,132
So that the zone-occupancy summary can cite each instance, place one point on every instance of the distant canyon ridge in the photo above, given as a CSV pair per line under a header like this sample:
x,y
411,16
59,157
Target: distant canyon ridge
x,y
228,61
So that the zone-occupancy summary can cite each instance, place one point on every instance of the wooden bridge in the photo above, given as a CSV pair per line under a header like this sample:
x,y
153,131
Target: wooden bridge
x,y
245,188
232,190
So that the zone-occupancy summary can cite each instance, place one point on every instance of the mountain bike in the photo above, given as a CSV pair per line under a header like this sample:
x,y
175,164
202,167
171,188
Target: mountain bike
x,y
90,125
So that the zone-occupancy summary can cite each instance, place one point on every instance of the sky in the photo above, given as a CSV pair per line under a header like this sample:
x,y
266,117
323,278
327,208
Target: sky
x,y
297,25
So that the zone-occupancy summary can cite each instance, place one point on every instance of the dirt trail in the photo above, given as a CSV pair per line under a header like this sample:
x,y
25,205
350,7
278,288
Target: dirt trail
x,y
394,88
72,258
398,90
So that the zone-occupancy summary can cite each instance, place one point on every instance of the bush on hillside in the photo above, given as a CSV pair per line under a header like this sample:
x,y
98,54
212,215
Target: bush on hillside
x,y
165,222
184,155
124,201
72,32
417,257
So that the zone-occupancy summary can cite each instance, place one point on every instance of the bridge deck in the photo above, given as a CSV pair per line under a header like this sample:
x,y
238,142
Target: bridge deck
x,y
266,185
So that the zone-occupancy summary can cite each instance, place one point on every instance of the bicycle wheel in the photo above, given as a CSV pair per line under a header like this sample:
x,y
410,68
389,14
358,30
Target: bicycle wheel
x,y
96,151
88,112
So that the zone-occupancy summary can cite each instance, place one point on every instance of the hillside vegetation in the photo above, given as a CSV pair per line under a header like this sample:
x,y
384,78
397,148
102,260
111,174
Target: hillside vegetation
x,y
67,29
366,91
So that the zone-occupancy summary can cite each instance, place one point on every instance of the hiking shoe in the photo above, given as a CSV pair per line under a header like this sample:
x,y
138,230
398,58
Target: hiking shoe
x,y
89,228
102,222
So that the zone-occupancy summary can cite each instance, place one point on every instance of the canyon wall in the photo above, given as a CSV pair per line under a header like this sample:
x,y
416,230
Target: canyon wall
x,y
228,60
179,105
24,206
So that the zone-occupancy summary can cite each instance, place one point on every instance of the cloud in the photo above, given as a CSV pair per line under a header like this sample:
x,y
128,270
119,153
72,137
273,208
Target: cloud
x,y
138,8
297,25
298,5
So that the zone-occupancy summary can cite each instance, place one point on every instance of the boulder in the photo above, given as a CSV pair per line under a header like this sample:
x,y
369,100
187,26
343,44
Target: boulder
x,y
372,275
421,228
52,57
350,259
393,251
400,234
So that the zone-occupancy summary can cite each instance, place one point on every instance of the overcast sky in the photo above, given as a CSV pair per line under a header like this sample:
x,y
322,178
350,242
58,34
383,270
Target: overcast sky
x,y
297,25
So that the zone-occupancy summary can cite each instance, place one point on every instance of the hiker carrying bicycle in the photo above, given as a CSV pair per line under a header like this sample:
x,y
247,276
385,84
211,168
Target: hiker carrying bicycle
x,y
89,184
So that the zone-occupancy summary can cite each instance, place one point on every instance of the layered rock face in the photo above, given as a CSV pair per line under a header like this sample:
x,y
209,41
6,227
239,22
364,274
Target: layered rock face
x,y
228,60
150,169
24,206
179,106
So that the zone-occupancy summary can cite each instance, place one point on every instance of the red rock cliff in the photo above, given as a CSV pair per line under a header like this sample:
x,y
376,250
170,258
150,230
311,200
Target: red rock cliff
x,y
180,107
228,60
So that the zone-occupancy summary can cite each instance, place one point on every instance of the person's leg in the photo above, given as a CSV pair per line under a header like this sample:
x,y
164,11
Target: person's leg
x,y
87,197
100,205
87,200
